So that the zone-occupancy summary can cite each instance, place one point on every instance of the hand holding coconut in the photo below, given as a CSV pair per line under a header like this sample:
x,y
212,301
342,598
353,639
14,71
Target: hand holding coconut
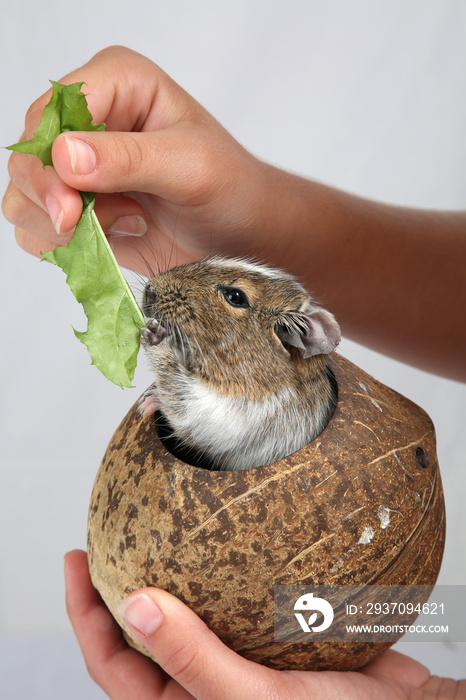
x,y
200,666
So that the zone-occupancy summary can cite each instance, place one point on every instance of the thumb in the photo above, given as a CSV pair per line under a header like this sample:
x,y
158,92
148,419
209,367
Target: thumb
x,y
188,651
168,162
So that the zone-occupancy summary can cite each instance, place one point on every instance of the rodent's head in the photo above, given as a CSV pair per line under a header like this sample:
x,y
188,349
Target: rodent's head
x,y
239,326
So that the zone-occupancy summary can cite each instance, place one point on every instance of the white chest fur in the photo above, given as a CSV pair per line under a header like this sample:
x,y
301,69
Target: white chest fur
x,y
238,433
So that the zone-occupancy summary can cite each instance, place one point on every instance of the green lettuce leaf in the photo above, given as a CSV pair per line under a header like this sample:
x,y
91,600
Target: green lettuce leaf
x,y
114,318
66,111
93,275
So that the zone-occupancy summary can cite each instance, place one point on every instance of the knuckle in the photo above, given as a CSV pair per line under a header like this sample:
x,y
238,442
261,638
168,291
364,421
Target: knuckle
x,y
183,663
22,239
123,59
13,169
16,207
9,206
34,112
100,670
19,172
129,155
112,52
203,174
94,672
283,685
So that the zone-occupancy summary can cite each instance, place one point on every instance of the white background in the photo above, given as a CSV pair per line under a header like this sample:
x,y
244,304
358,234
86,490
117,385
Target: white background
x,y
367,95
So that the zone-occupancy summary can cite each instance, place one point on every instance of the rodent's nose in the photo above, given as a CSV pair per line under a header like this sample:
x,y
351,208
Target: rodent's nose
x,y
167,299
174,303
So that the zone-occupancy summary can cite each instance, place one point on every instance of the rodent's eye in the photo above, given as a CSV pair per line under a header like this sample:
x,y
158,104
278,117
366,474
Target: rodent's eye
x,y
235,297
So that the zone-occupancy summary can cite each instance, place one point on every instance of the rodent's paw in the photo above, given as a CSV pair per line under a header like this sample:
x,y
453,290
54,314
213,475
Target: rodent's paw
x,y
154,333
148,403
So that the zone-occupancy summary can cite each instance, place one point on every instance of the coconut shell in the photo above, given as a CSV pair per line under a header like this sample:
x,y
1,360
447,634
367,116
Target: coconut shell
x,y
221,541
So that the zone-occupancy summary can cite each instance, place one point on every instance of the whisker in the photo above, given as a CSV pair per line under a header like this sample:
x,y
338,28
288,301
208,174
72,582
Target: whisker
x,y
174,247
149,244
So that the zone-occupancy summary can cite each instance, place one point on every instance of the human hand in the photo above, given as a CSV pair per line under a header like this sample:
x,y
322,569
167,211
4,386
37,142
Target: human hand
x,y
193,662
164,171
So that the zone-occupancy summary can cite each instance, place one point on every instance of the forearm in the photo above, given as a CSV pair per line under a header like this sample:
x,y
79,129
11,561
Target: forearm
x,y
394,277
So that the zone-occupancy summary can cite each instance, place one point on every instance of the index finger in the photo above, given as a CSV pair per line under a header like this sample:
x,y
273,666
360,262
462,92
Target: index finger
x,y
128,92
120,671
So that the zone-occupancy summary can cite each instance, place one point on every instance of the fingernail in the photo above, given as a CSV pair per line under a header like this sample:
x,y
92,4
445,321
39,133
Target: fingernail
x,y
141,612
128,226
82,155
55,211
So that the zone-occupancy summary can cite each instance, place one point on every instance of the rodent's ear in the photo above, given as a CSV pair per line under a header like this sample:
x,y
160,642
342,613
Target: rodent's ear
x,y
313,333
